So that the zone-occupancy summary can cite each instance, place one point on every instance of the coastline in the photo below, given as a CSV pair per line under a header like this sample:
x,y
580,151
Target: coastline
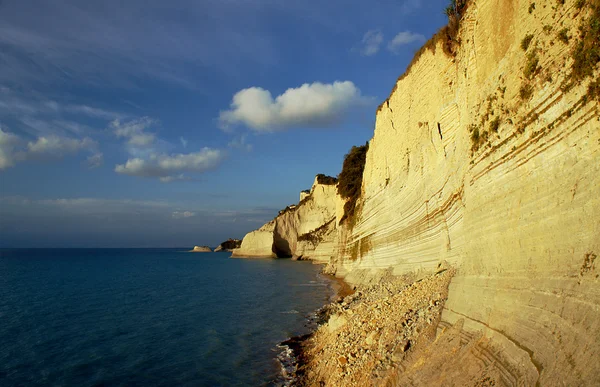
x,y
369,336
293,359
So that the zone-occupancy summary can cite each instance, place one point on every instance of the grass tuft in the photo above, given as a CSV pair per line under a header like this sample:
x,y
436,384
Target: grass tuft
x,y
526,42
526,91
563,35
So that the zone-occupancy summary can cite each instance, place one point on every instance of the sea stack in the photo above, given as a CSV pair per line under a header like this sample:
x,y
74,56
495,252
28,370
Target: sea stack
x,y
201,249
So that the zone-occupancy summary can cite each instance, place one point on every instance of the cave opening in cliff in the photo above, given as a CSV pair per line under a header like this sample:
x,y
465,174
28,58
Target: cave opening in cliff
x,y
281,248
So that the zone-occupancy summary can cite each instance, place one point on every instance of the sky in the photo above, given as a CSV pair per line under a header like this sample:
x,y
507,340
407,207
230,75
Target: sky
x,y
146,123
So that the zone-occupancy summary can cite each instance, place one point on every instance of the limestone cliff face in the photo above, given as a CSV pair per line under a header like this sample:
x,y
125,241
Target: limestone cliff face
x,y
518,212
279,237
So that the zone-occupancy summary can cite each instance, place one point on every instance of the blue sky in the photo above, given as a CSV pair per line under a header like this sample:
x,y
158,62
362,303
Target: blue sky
x,y
168,124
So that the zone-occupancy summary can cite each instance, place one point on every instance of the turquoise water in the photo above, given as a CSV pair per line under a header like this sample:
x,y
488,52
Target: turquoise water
x,y
149,317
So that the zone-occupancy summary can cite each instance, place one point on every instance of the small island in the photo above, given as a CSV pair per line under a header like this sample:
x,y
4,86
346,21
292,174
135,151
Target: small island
x,y
229,245
201,249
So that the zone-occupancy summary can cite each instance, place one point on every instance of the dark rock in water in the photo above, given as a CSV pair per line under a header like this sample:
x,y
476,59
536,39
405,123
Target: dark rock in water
x,y
229,245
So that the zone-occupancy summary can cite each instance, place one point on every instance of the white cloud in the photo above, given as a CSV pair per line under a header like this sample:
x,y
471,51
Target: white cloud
x,y
134,131
310,105
183,214
8,143
371,42
56,146
404,38
171,167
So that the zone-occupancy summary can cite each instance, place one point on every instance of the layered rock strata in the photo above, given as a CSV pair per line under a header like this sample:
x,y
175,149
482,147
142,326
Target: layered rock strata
x,y
517,211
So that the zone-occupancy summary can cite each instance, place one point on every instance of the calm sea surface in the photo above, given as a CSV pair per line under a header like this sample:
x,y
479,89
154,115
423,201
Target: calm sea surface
x,y
149,317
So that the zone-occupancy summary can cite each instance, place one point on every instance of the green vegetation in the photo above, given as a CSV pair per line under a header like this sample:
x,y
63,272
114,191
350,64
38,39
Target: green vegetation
x,y
478,138
586,53
531,67
526,91
563,35
315,236
495,124
326,180
350,179
593,91
531,7
526,41
580,4
560,2
474,134
455,11
547,28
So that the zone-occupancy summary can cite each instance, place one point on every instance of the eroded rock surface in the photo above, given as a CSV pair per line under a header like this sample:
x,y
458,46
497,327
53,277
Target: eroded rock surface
x,y
287,234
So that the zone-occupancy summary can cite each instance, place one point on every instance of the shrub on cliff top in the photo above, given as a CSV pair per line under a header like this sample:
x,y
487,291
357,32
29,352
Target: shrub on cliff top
x,y
326,180
350,179
447,35
586,53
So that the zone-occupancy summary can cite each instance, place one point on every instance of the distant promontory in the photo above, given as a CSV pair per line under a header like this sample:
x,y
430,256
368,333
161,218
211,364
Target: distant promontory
x,y
201,249
229,245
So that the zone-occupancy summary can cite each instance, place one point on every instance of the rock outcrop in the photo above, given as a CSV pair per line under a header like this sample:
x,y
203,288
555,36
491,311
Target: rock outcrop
x,y
229,245
289,234
201,249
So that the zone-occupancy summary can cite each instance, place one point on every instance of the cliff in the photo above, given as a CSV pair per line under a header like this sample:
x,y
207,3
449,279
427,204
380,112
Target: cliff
x,y
294,232
486,155
490,159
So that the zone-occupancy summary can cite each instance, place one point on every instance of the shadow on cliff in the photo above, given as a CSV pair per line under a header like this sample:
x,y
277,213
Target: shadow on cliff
x,y
281,247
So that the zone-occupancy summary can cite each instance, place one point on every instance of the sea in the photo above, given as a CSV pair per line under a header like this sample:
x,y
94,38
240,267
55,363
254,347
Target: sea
x,y
151,317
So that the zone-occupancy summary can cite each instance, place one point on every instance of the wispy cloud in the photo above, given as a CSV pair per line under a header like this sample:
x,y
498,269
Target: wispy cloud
x,y
370,43
404,38
183,142
14,149
134,131
240,142
172,167
118,42
57,147
95,160
183,214
313,105
8,144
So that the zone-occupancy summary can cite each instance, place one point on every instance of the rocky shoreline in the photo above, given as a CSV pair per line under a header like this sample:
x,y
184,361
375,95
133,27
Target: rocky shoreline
x,y
367,334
